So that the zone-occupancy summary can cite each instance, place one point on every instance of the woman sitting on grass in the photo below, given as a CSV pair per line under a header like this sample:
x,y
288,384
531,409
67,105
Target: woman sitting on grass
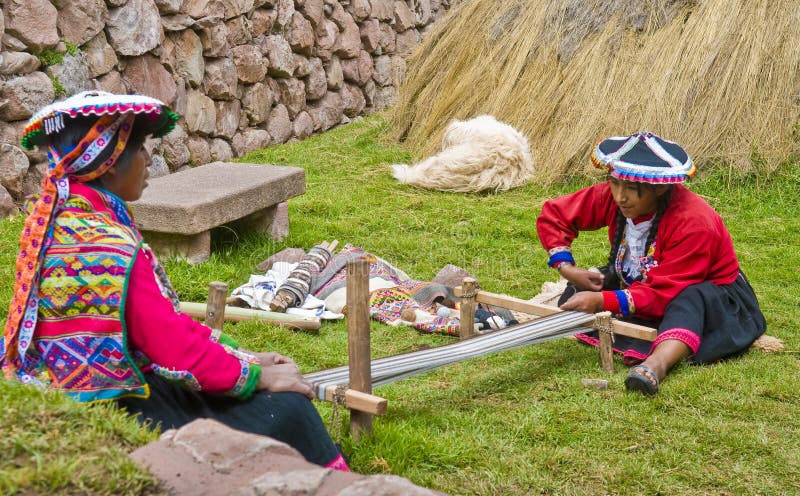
x,y
672,264
93,312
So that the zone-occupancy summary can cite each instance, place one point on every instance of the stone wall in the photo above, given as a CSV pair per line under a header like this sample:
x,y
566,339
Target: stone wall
x,y
242,74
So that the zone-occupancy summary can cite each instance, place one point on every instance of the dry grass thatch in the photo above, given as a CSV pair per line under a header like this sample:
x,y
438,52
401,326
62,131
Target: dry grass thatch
x,y
720,77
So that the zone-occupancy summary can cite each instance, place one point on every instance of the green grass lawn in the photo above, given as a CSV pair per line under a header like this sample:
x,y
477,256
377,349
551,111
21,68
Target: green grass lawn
x,y
518,422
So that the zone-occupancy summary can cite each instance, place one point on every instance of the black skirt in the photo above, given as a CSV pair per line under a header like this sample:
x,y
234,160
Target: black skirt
x,y
287,417
722,322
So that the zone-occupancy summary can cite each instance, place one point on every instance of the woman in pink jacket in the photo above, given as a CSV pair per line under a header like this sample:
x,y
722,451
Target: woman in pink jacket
x,y
94,314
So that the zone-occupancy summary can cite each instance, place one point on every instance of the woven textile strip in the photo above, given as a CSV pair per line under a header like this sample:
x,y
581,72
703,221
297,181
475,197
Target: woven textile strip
x,y
390,369
334,276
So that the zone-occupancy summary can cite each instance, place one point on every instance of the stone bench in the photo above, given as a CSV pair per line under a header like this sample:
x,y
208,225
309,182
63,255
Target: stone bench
x,y
177,212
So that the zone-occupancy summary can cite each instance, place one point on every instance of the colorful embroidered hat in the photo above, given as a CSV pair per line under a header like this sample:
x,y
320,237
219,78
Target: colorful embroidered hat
x,y
645,158
50,119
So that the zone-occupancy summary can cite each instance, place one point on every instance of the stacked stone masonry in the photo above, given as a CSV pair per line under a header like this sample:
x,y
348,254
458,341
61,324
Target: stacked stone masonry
x,y
242,74
206,458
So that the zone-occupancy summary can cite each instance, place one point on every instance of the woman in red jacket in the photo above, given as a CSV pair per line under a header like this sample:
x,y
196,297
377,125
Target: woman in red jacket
x,y
671,264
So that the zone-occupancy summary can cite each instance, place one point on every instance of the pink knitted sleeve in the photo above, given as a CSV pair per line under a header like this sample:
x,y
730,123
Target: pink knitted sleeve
x,y
174,341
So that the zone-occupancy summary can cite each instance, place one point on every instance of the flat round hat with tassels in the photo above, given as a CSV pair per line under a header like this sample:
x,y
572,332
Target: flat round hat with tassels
x,y
645,158
50,119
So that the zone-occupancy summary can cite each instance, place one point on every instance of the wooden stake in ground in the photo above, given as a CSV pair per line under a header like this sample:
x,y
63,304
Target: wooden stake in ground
x,y
466,325
359,340
605,332
215,309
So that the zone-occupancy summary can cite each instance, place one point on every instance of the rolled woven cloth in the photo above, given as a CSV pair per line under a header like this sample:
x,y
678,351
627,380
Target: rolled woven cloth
x,y
294,291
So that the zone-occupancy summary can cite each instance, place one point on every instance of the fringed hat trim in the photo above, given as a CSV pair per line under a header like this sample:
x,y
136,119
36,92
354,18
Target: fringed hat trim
x,y
50,119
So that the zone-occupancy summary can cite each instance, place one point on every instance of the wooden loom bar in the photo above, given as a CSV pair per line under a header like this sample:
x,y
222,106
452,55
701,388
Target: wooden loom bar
x,y
215,309
359,341
362,402
215,314
518,305
237,314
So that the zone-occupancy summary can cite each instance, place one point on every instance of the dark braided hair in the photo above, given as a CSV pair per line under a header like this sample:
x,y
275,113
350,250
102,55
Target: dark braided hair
x,y
610,271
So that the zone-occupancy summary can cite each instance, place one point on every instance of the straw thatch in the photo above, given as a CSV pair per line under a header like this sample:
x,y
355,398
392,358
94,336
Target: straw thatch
x,y
720,77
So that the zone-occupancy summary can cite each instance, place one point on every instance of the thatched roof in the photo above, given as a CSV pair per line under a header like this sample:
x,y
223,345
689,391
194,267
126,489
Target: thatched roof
x,y
720,77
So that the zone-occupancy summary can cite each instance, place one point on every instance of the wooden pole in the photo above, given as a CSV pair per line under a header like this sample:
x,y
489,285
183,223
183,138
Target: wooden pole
x,y
606,352
358,341
604,331
618,326
238,314
215,309
466,327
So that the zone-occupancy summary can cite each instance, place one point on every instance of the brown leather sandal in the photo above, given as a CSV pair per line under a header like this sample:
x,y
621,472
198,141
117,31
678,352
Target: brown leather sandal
x,y
642,378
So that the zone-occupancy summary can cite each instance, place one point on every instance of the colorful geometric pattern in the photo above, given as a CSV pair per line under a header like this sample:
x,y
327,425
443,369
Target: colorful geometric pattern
x,y
125,126
86,363
22,313
51,119
644,264
560,255
387,305
245,383
184,377
625,300
80,342
80,346
83,271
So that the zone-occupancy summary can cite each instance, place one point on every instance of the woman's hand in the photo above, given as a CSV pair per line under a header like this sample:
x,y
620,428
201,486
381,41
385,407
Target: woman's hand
x,y
282,377
585,301
265,359
280,373
587,280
